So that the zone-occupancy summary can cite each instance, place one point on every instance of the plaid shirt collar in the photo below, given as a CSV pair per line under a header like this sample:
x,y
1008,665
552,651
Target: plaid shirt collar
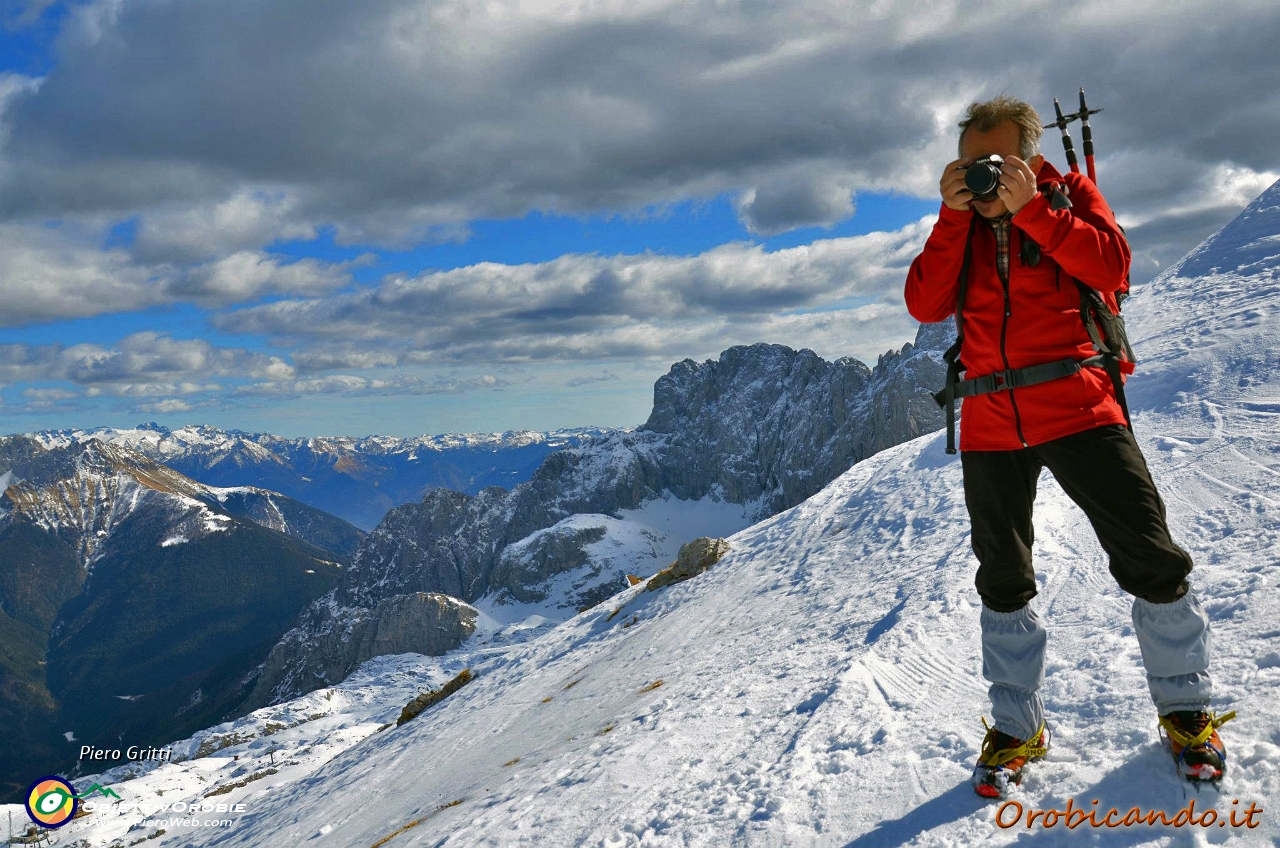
x,y
1001,227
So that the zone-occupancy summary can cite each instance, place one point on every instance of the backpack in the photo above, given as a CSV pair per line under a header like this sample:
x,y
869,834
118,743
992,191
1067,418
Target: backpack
x,y
1105,328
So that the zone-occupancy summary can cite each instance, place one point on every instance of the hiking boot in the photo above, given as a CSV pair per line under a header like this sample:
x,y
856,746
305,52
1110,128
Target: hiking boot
x,y
1192,736
1004,760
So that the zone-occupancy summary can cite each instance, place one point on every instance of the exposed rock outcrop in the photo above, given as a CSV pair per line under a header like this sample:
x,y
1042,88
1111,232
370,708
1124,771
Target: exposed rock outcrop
x,y
696,556
419,622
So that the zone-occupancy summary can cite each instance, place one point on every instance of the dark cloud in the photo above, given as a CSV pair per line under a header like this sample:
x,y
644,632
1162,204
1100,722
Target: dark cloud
x,y
401,120
1161,242
786,201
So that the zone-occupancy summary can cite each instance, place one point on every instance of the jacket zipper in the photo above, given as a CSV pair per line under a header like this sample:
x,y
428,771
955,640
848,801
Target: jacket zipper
x,y
1004,327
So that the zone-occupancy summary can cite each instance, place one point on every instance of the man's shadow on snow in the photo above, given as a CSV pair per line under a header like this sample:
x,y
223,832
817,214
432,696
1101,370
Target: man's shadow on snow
x,y
956,803
1146,780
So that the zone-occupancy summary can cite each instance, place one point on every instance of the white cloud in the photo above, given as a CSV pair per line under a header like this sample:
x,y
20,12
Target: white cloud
x,y
246,220
589,306
166,406
144,363
249,274
48,394
20,14
348,384
50,273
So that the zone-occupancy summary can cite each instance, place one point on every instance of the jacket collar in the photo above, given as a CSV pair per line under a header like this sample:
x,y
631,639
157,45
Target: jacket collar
x,y
1048,175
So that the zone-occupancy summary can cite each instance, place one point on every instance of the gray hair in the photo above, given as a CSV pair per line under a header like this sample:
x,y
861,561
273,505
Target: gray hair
x,y
987,115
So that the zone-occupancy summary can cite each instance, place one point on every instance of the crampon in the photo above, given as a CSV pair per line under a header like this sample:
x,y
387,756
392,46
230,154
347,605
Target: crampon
x,y
1192,738
1004,759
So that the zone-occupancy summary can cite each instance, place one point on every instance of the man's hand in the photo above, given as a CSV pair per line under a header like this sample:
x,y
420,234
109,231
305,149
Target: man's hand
x,y
1018,185
954,192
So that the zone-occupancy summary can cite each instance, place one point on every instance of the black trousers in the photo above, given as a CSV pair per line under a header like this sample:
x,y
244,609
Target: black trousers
x,y
1104,472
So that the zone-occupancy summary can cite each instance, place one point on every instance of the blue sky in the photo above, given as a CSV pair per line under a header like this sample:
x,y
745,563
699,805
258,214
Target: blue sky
x,y
393,218
687,229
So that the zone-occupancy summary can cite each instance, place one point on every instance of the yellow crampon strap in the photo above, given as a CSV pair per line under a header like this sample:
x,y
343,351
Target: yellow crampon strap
x,y
1186,740
992,757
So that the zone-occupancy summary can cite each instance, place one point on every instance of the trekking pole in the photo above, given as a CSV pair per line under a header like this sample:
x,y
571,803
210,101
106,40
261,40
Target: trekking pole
x,y
1061,124
1087,134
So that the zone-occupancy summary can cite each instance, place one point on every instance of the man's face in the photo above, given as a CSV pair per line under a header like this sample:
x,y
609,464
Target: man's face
x,y
1004,139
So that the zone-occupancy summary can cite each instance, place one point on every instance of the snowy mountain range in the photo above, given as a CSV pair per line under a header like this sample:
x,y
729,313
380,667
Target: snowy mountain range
x,y
134,598
356,479
820,685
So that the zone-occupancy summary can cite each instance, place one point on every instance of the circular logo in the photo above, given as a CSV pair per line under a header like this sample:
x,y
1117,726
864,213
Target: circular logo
x,y
51,801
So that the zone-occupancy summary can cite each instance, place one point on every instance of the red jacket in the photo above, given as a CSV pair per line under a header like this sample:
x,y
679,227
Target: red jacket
x,y
1043,323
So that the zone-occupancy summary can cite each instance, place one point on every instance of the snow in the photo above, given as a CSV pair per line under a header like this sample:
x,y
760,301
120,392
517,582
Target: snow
x,y
639,541
683,520
294,738
224,492
821,684
215,522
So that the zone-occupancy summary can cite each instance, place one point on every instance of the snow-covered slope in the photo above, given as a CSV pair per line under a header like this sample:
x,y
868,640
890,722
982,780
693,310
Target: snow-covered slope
x,y
292,739
821,684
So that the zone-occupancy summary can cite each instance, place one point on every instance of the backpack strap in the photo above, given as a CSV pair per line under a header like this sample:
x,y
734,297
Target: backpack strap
x,y
1110,340
1124,289
947,397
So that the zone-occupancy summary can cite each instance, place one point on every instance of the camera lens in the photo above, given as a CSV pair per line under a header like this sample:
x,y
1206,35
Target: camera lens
x,y
983,177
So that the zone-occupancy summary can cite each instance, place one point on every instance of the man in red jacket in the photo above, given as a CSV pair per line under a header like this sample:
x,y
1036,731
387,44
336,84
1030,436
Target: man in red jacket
x,y
1022,308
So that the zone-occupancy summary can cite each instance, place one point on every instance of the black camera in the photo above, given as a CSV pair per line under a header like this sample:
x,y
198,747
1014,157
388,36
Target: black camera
x,y
983,177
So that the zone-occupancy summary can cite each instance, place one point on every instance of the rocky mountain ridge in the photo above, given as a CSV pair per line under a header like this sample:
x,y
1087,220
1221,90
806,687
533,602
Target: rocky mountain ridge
x,y
764,425
81,490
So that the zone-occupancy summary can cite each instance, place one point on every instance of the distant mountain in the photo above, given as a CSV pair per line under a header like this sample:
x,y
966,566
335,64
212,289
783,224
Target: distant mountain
x,y
134,600
356,479
764,427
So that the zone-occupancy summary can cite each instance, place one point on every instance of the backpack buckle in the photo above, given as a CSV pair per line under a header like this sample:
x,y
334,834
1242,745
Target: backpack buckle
x,y
1006,379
